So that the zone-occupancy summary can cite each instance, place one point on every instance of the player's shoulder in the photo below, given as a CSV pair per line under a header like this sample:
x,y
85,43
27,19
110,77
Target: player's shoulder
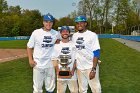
x,y
57,47
54,31
75,34
37,30
90,33
70,42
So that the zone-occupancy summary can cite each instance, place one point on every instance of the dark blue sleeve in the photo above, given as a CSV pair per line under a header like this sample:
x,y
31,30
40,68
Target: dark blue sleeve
x,y
96,53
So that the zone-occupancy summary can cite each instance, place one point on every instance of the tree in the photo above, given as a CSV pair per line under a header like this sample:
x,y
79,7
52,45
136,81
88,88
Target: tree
x,y
3,6
136,5
97,10
30,20
87,8
65,21
72,15
81,8
122,10
14,10
15,30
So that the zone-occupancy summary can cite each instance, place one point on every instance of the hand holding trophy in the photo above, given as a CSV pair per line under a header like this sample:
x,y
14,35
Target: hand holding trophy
x,y
64,71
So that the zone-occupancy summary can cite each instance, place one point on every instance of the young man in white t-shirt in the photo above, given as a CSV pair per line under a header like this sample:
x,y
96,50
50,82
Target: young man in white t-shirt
x,y
87,55
65,48
42,43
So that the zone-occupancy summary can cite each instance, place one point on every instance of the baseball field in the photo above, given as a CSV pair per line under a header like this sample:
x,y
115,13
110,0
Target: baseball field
x,y
119,69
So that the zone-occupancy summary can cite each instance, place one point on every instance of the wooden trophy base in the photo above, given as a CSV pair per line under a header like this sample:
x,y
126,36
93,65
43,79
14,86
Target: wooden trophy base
x,y
64,74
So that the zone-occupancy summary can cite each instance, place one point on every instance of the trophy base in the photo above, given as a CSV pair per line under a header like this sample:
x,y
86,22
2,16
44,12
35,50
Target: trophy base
x,y
64,74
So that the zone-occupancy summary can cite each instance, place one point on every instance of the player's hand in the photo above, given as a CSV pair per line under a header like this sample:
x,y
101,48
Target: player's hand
x,y
92,75
72,72
57,41
32,63
57,71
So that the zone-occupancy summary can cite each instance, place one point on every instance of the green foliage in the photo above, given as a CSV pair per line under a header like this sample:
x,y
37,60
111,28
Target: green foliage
x,y
30,20
14,23
63,21
14,10
66,21
15,30
132,19
3,6
100,14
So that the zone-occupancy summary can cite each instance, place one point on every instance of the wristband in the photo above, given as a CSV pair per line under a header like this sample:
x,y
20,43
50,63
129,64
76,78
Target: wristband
x,y
93,69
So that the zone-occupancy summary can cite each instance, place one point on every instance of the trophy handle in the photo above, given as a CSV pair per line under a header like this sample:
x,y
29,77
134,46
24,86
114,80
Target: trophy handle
x,y
69,62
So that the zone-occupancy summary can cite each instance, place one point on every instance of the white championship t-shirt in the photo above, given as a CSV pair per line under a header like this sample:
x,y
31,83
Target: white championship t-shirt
x,y
65,49
43,44
85,43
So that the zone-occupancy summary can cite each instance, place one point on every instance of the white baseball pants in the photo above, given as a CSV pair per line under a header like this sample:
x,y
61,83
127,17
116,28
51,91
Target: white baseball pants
x,y
40,76
62,86
83,81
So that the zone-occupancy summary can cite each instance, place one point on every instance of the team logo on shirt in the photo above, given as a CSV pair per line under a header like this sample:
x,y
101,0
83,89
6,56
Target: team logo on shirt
x,y
79,43
65,50
47,40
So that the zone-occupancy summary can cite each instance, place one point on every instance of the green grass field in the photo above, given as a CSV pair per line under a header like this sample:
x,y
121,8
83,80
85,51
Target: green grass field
x,y
16,44
119,70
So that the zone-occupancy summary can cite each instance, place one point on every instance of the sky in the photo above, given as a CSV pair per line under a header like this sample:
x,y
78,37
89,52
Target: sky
x,y
58,8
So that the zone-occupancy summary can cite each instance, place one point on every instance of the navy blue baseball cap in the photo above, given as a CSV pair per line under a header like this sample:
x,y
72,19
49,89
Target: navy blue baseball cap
x,y
64,28
48,17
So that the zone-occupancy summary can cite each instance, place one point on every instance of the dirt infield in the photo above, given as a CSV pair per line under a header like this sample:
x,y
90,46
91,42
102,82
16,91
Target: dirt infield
x,y
11,54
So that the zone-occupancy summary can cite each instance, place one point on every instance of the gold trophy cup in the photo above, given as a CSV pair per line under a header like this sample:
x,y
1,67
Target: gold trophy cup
x,y
64,71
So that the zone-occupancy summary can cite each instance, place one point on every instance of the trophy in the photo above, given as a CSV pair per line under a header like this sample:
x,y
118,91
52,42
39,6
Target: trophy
x,y
64,71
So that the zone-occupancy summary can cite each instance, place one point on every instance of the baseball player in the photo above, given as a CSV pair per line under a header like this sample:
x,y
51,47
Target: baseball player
x,y
88,52
42,42
65,48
